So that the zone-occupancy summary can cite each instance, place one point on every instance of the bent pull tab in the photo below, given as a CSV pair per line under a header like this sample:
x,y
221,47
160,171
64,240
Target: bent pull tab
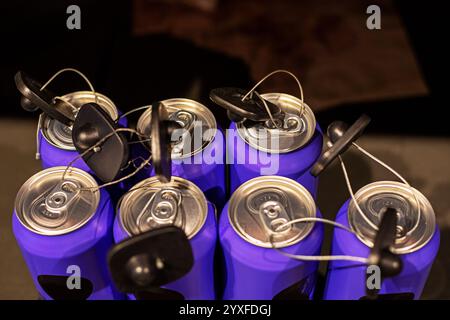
x,y
142,263
52,209
341,137
161,209
251,108
34,98
381,253
273,215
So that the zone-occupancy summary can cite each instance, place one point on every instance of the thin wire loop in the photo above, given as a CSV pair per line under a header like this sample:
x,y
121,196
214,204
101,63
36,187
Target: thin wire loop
x,y
317,258
350,189
77,72
271,74
99,143
132,111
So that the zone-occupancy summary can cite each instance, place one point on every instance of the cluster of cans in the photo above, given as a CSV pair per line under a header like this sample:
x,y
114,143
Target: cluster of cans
x,y
182,228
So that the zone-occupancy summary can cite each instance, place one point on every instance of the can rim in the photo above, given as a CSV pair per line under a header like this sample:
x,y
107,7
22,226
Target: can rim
x,y
173,103
104,102
308,113
425,206
307,198
72,172
183,183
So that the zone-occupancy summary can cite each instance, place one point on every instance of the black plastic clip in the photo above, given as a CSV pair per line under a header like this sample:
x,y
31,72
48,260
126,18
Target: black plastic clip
x,y
251,108
381,253
341,137
142,264
161,147
34,98
91,125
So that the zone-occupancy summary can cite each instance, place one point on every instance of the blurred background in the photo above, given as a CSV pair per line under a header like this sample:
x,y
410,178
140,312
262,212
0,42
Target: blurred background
x,y
139,51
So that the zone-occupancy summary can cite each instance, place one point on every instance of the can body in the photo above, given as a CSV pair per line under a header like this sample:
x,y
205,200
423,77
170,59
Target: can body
x,y
253,268
50,257
198,284
248,162
347,280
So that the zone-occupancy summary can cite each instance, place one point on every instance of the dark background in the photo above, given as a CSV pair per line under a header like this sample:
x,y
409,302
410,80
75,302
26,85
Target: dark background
x,y
140,51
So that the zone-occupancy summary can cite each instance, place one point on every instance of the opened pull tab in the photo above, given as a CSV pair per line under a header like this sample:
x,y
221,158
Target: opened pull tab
x,y
161,133
92,125
381,253
252,107
142,263
161,209
34,98
341,137
274,216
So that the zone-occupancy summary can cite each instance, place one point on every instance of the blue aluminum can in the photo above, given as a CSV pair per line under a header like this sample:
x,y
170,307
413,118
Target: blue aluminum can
x,y
199,160
152,204
257,148
64,232
253,268
417,243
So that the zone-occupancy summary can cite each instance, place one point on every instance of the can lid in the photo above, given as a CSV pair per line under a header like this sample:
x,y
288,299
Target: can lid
x,y
293,131
375,197
152,204
60,135
194,119
261,205
47,205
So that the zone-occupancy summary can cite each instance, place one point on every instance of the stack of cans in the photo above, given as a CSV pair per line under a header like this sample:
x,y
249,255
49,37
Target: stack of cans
x,y
207,213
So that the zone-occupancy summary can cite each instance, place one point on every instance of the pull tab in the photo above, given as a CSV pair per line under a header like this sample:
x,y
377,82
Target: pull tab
x,y
251,108
51,210
273,215
341,137
161,209
34,98
142,263
92,125
381,253
161,132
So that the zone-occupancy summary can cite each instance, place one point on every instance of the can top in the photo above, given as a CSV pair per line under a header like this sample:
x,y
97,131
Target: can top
x,y
411,233
195,120
261,205
47,205
292,134
152,204
60,135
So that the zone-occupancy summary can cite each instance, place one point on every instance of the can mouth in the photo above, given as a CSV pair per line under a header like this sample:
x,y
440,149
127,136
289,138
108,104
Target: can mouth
x,y
260,208
288,134
48,205
413,231
60,135
152,204
195,120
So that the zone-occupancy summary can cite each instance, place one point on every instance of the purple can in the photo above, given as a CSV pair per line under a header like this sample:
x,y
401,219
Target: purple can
x,y
55,139
152,204
250,240
417,242
64,231
289,150
199,153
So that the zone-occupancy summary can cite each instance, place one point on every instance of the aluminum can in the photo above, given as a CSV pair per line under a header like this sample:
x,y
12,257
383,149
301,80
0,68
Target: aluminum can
x,y
417,242
254,269
201,161
55,139
151,204
64,230
252,152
